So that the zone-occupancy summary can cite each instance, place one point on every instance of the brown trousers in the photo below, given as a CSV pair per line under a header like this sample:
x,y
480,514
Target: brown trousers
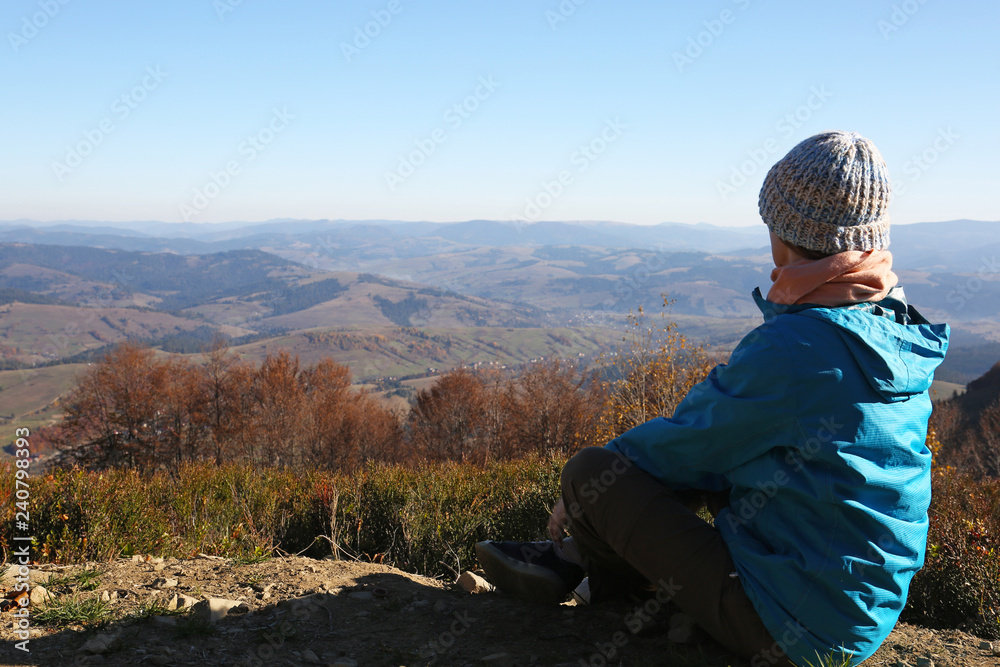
x,y
633,531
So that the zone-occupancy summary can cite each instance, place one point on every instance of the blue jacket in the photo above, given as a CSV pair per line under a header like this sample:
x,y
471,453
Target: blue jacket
x,y
818,424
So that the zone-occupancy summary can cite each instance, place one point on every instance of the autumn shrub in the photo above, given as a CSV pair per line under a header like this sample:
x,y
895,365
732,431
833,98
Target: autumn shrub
x,y
423,519
959,585
652,371
79,515
428,518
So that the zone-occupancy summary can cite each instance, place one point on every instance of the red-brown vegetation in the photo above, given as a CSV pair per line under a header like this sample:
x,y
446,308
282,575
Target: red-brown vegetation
x,y
968,427
135,410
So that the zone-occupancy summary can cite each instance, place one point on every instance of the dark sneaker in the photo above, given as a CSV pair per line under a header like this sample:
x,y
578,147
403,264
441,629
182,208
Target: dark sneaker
x,y
529,570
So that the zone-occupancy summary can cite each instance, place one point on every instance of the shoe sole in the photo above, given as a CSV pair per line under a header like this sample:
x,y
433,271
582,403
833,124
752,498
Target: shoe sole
x,y
526,581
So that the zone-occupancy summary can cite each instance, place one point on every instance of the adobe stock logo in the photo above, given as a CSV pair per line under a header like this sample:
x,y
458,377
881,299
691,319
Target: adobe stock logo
x,y
248,149
899,17
454,116
122,108
698,44
363,35
761,156
31,26
584,156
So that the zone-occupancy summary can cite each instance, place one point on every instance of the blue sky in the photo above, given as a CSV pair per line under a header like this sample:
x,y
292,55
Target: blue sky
x,y
641,112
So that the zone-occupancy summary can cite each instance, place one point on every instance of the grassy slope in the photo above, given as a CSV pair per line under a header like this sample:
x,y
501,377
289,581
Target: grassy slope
x,y
394,352
28,398
34,333
941,390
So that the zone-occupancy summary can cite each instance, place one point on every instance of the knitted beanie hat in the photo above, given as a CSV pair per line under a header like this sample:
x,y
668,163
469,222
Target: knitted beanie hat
x,y
829,194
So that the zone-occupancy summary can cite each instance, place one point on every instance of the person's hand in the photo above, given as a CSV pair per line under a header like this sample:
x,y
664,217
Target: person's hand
x,y
558,521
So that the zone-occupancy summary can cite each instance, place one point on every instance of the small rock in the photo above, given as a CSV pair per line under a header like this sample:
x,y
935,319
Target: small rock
x,y
40,595
181,601
311,568
161,583
214,609
986,646
159,567
310,657
39,576
925,662
11,575
165,620
473,583
99,644
105,596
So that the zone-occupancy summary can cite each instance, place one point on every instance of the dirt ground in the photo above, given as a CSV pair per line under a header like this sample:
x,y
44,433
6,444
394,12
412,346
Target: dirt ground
x,y
299,611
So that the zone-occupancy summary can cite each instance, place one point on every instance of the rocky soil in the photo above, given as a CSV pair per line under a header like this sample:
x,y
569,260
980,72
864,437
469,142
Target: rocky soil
x,y
299,611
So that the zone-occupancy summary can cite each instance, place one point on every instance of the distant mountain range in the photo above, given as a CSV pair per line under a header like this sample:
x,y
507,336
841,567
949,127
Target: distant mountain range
x,y
269,279
955,246
207,238
952,269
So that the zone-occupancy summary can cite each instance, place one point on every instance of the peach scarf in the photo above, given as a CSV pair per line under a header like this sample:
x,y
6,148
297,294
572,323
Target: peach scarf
x,y
838,280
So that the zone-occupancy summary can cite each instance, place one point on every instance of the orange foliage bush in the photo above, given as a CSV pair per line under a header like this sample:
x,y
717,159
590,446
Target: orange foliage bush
x,y
656,366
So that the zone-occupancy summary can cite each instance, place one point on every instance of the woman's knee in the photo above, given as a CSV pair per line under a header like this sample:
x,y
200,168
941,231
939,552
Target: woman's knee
x,y
583,465
595,466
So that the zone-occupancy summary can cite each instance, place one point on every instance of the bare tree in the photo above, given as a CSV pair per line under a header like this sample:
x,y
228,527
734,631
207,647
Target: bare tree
x,y
550,407
449,420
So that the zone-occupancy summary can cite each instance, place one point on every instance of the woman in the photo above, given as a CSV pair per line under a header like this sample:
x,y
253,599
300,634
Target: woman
x,y
814,433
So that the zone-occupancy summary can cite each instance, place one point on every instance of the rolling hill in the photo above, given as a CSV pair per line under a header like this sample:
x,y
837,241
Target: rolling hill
x,y
398,299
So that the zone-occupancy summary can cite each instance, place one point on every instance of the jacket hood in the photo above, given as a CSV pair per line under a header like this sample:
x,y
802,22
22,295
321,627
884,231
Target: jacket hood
x,y
878,336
